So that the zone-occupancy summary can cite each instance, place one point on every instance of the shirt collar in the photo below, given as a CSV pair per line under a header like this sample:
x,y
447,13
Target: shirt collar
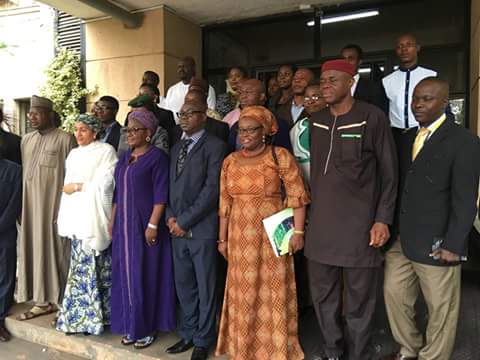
x,y
110,125
296,106
436,124
409,69
195,137
356,77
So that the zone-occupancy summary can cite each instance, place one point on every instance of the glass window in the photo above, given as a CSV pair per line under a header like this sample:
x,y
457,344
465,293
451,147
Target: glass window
x,y
253,44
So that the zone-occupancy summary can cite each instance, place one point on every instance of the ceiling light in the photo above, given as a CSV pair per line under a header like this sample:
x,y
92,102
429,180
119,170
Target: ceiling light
x,y
351,16
345,17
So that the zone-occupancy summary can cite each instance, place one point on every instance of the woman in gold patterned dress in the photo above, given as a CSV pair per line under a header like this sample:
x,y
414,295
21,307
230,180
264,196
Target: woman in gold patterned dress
x,y
259,315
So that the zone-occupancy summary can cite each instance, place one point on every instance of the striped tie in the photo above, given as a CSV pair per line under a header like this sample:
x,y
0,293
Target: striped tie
x,y
182,155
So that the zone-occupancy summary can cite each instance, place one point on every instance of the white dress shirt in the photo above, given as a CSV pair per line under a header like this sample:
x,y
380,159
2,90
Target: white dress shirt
x,y
354,86
296,111
162,102
176,97
399,87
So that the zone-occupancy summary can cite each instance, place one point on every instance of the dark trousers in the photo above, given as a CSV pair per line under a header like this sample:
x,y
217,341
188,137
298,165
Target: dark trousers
x,y
195,266
397,135
330,287
221,281
8,269
301,279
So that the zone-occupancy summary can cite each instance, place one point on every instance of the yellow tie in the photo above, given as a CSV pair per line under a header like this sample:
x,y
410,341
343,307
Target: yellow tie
x,y
419,141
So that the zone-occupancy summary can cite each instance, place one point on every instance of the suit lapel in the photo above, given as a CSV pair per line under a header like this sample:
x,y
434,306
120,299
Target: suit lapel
x,y
432,143
358,94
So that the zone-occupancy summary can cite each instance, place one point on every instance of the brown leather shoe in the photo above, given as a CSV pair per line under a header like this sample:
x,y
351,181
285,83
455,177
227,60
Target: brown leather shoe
x,y
4,334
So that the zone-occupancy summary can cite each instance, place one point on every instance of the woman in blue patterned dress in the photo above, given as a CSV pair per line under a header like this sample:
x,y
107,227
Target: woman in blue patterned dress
x,y
84,215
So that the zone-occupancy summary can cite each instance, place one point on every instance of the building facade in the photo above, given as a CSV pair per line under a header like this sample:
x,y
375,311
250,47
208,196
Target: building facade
x,y
26,47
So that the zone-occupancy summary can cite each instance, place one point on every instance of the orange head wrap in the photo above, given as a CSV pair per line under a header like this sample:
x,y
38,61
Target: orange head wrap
x,y
263,116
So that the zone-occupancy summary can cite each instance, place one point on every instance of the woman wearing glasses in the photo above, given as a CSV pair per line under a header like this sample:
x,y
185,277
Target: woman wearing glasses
x,y
259,315
143,294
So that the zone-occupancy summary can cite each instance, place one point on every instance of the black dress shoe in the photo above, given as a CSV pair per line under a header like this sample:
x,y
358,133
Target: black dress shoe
x,y
179,347
199,353
4,334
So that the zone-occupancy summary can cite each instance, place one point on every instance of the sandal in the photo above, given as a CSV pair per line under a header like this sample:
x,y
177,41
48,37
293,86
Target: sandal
x,y
144,342
36,311
126,340
53,323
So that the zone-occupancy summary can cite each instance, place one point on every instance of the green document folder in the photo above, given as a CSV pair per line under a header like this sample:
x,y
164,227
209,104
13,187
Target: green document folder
x,y
279,228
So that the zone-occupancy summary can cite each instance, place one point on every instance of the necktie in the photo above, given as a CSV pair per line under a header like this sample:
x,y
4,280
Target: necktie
x,y
419,141
182,155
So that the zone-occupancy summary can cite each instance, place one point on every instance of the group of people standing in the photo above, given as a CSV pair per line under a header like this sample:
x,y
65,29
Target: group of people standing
x,y
130,227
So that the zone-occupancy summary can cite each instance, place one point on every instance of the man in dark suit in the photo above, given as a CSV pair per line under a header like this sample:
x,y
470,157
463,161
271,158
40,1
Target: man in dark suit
x,y
9,144
293,111
212,126
439,173
165,117
195,164
10,206
106,109
366,90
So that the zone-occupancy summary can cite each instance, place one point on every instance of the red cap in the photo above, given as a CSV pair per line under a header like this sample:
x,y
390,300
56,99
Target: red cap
x,y
339,65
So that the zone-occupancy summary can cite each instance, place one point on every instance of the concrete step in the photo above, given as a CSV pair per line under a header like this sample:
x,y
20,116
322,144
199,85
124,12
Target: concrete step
x,y
105,347
17,349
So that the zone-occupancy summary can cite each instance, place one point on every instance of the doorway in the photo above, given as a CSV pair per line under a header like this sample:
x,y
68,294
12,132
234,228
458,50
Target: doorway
x,y
263,45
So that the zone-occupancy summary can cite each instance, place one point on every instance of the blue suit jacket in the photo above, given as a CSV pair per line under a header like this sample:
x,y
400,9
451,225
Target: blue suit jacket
x,y
194,193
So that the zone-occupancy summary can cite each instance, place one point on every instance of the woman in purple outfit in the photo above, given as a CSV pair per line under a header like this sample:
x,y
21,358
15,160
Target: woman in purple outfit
x,y
143,293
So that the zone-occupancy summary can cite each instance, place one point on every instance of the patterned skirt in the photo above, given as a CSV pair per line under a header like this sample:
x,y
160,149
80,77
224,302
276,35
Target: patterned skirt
x,y
86,303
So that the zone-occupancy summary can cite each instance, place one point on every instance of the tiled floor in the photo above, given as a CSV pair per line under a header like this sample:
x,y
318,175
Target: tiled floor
x,y
467,346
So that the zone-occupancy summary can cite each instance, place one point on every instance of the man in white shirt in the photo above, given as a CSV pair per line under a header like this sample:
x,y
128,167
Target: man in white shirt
x,y
400,84
176,93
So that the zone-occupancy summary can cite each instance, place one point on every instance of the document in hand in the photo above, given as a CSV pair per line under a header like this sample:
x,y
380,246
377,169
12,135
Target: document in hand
x,y
279,228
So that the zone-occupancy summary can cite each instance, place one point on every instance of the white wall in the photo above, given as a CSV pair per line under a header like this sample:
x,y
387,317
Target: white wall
x,y
28,32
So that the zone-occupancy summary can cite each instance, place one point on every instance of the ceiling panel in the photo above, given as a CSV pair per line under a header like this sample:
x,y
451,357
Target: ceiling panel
x,y
199,11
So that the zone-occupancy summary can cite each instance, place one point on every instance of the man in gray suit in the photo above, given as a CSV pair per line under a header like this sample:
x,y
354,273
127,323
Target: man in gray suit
x,y
195,164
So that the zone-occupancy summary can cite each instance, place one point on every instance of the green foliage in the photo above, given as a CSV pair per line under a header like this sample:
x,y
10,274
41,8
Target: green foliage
x,y
3,45
64,86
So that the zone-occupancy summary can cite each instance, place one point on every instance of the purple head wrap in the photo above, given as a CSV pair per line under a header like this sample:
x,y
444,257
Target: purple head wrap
x,y
146,118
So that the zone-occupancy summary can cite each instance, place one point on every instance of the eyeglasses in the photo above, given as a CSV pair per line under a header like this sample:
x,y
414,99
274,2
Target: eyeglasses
x,y
132,130
103,108
188,114
35,113
247,92
249,131
312,98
